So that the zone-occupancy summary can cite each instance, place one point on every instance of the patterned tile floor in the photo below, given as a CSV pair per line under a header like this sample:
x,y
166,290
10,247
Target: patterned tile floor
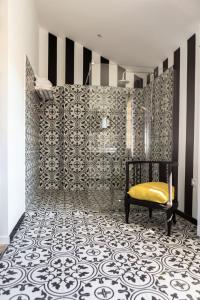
x,y
73,246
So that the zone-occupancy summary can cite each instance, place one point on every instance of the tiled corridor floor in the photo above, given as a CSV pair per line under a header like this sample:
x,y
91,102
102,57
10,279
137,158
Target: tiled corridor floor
x,y
73,246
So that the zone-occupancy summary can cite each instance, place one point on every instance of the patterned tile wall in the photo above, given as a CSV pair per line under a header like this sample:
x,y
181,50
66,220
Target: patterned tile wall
x,y
76,152
152,122
152,119
32,136
162,108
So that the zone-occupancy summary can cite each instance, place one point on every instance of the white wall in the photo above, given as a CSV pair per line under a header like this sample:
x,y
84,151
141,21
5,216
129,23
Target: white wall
x,y
22,41
22,35
3,122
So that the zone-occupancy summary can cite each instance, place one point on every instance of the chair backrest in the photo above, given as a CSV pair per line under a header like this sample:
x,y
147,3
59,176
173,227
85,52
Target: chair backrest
x,y
148,171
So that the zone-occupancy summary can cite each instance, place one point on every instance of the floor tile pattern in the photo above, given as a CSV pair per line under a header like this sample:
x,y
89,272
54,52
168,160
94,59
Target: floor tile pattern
x,y
70,247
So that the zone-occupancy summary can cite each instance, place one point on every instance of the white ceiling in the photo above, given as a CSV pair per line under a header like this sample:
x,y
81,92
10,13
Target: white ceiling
x,y
135,32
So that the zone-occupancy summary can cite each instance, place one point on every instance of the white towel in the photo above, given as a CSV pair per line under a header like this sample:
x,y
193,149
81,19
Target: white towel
x,y
42,83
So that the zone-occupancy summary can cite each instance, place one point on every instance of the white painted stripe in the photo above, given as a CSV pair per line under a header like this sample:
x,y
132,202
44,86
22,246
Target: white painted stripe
x,y
160,69
182,125
60,61
171,60
96,69
113,74
196,160
78,63
43,53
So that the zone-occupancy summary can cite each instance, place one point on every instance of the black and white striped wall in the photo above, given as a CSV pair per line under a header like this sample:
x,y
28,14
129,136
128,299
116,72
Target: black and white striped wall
x,y
186,62
64,61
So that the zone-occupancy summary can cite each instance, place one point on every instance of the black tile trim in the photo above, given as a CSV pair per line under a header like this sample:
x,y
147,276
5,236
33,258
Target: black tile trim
x,y
165,65
191,45
104,71
87,59
176,101
52,59
69,62
16,227
186,217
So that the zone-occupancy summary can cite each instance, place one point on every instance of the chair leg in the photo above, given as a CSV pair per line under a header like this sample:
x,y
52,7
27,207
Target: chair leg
x,y
127,209
150,212
169,221
174,217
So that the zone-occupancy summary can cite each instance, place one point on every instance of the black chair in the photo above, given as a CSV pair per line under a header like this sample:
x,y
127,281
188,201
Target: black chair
x,y
148,171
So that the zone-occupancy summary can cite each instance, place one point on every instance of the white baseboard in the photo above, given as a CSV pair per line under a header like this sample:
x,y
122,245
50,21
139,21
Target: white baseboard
x,y
4,239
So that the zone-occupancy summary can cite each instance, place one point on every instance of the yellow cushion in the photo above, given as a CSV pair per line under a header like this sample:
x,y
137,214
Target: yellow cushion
x,y
152,191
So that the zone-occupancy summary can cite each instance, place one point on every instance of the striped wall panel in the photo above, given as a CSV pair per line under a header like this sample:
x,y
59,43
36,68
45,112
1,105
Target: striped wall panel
x,y
191,47
148,78
155,72
104,71
64,61
52,59
184,62
69,60
87,59
138,82
78,64
175,113
165,65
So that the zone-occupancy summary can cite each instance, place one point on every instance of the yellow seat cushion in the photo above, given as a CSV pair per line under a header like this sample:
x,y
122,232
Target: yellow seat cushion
x,y
152,191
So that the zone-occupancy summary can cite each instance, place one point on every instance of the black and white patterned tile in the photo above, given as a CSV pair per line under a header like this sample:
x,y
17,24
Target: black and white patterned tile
x,y
74,246
76,154
32,150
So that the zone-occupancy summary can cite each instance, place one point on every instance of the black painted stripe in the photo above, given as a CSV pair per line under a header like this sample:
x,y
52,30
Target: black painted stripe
x,y
176,103
138,82
155,72
120,72
104,71
165,65
52,59
190,124
87,59
148,78
69,62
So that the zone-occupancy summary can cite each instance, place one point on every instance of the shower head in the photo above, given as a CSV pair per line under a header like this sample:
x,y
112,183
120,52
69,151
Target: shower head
x,y
123,80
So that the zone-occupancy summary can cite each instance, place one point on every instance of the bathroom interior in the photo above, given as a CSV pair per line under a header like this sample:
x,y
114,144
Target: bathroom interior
x,y
79,137
88,88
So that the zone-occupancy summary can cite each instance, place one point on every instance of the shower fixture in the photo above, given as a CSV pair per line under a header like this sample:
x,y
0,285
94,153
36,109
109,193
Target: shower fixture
x,y
105,122
124,80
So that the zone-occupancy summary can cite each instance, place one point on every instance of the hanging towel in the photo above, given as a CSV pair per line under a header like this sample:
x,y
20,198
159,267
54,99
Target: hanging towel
x,y
43,83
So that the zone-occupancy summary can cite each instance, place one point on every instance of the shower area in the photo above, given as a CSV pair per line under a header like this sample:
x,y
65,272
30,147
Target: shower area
x,y
78,141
